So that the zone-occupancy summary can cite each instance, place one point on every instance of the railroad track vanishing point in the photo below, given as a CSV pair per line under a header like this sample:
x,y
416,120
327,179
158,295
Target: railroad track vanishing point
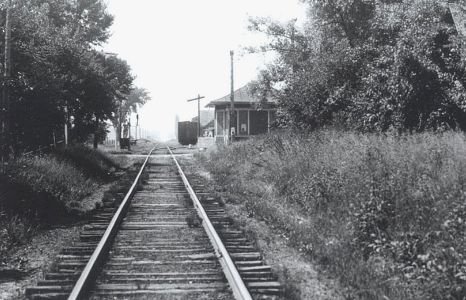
x,y
166,240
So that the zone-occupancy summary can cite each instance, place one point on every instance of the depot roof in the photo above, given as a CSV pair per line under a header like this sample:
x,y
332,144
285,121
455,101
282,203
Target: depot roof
x,y
243,95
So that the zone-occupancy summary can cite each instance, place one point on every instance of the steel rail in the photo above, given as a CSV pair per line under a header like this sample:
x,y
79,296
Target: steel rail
x,y
240,291
89,273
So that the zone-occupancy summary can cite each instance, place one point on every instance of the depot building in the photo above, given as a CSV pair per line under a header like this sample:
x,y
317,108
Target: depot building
x,y
253,115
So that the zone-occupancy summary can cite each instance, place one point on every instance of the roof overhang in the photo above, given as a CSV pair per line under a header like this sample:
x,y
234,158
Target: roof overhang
x,y
242,96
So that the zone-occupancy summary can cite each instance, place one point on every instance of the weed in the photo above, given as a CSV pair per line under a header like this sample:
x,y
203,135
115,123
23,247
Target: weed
x,y
384,213
14,230
93,163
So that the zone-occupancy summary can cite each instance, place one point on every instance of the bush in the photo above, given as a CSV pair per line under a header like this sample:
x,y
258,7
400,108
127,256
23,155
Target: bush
x,y
93,163
42,187
13,231
36,191
385,213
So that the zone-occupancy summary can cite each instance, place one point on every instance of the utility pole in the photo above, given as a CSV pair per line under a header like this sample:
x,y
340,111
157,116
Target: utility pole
x,y
137,124
66,126
232,102
5,104
198,112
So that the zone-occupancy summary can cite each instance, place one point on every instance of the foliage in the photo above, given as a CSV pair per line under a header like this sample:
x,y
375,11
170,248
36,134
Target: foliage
x,y
54,185
14,230
368,65
50,180
384,213
93,163
136,98
58,75
50,189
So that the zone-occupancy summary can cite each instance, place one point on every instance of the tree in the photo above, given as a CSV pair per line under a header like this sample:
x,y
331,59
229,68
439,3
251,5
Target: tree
x,y
349,19
56,69
128,103
367,64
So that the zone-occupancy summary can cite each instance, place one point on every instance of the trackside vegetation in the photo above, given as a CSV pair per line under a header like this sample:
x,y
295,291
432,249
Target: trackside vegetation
x,y
367,65
91,162
58,74
383,213
44,190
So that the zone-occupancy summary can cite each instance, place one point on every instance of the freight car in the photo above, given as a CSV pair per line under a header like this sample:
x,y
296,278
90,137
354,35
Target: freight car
x,y
187,133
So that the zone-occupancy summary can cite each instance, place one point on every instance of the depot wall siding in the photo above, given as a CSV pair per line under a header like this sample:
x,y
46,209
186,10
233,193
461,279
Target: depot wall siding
x,y
249,121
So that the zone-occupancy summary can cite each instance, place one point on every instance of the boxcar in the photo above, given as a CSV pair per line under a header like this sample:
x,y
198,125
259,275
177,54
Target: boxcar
x,y
187,133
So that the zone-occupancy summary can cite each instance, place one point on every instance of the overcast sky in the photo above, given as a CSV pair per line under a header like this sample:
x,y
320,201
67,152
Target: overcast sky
x,y
178,49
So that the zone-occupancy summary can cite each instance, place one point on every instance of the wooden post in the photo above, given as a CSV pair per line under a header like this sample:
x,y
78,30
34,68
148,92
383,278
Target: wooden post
x,y
232,101
129,133
198,115
66,126
249,123
119,123
137,124
199,97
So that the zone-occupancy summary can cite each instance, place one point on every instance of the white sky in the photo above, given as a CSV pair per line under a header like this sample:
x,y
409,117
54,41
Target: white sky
x,y
178,49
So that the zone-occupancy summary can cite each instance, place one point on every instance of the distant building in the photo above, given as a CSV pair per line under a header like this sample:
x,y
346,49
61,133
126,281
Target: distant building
x,y
253,115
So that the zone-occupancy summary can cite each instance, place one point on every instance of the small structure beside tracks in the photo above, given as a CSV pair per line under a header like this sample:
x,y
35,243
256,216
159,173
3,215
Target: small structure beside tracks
x,y
253,115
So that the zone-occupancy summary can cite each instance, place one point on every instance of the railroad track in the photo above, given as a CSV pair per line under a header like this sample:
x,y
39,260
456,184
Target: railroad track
x,y
166,240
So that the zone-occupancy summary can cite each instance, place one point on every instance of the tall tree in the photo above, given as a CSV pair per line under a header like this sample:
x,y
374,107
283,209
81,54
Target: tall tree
x,y
368,64
349,19
55,68
128,103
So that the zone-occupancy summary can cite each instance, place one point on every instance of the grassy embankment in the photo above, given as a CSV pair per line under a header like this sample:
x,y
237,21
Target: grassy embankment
x,y
384,214
45,190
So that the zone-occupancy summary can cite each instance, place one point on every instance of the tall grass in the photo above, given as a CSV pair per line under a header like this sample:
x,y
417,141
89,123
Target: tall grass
x,y
43,186
385,213
36,191
92,162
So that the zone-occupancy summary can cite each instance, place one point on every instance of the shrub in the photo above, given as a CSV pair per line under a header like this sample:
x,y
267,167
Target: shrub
x,y
93,163
14,230
35,191
42,187
384,212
